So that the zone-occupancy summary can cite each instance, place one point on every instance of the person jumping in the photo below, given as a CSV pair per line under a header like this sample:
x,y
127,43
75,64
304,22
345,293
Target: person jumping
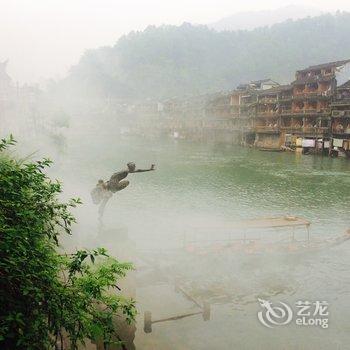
x,y
103,191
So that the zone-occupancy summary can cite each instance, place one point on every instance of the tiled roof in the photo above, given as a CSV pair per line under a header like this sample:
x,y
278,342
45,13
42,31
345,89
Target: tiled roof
x,y
345,85
275,90
313,79
325,65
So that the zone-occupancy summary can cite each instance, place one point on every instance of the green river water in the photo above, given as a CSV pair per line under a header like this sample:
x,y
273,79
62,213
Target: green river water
x,y
196,183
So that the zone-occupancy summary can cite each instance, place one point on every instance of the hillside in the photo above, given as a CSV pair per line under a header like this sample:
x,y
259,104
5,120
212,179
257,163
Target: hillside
x,y
253,19
170,61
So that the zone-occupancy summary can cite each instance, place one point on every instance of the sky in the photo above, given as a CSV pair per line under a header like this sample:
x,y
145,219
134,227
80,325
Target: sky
x,y
42,39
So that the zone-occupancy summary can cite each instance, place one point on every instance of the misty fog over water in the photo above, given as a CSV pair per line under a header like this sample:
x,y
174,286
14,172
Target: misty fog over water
x,y
214,184
194,181
248,130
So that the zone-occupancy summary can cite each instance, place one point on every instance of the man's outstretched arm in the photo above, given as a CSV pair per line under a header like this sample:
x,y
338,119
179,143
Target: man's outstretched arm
x,y
144,170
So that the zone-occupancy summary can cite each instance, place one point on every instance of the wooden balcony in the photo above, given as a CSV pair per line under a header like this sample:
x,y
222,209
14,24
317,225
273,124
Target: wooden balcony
x,y
306,130
268,100
266,129
291,129
341,114
286,111
267,114
341,102
312,111
344,131
316,131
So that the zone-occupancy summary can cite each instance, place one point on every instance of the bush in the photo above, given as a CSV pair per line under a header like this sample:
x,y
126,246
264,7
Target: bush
x,y
49,298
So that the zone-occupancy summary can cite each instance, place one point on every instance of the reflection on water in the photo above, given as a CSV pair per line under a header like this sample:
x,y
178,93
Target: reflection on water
x,y
215,184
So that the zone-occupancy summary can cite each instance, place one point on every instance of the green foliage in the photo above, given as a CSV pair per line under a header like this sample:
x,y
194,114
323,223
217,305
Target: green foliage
x,y
170,61
45,296
4,143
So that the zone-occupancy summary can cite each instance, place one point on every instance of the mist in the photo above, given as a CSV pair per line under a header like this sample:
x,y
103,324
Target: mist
x,y
194,227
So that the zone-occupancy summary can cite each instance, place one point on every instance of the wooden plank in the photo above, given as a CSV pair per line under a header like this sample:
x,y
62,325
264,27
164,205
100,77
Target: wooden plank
x,y
269,222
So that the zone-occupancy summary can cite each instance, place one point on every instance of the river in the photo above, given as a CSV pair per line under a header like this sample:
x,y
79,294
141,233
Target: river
x,y
213,184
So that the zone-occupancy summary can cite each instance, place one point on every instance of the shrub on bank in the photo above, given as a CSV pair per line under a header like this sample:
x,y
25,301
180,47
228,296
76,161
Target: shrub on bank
x,y
48,298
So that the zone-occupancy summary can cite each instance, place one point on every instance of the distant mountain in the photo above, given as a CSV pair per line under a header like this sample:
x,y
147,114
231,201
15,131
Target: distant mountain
x,y
254,19
170,61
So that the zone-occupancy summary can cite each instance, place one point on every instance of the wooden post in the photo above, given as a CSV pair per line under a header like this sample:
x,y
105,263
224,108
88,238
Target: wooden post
x,y
308,233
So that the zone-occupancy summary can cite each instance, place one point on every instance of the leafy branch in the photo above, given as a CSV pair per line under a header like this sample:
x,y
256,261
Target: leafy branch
x,y
49,298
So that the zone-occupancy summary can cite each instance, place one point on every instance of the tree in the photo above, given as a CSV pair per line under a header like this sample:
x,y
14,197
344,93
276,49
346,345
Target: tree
x,y
46,297
169,61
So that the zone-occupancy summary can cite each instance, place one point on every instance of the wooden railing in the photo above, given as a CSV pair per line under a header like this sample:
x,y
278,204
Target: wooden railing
x,y
306,129
311,111
341,114
316,93
292,128
268,100
343,101
317,130
286,111
266,128
335,130
267,114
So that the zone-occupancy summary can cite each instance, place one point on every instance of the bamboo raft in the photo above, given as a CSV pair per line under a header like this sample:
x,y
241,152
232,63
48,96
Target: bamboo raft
x,y
237,237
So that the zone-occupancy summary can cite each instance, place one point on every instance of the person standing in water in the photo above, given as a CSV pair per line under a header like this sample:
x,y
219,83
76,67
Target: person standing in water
x,y
105,190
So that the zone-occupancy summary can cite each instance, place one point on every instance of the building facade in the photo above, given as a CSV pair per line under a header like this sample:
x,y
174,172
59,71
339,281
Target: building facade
x,y
311,114
340,121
